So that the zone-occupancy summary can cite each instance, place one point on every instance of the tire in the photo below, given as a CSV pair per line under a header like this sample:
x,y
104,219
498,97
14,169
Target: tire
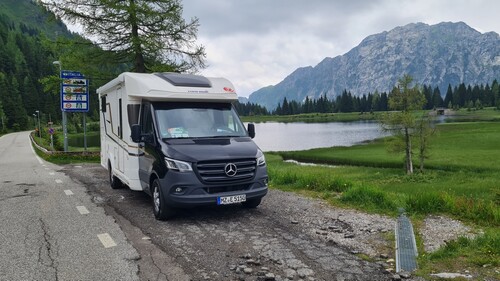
x,y
252,203
114,182
160,209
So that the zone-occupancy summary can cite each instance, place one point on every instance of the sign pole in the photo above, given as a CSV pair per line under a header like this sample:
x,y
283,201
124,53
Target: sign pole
x,y
65,131
64,117
85,131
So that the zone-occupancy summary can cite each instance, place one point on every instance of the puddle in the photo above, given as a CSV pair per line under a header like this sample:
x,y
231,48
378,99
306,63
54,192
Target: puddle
x,y
308,164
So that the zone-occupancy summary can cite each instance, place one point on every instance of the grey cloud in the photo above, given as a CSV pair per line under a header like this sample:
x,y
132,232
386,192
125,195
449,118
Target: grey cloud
x,y
225,17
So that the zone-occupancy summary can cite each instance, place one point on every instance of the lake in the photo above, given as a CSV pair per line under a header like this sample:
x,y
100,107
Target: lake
x,y
274,136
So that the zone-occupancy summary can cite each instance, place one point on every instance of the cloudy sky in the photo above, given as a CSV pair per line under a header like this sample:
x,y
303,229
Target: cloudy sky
x,y
257,43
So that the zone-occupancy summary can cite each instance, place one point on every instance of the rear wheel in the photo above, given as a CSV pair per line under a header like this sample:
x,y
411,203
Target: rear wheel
x,y
114,182
160,209
252,203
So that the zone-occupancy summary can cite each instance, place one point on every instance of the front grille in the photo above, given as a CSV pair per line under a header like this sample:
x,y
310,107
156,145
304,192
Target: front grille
x,y
213,171
228,188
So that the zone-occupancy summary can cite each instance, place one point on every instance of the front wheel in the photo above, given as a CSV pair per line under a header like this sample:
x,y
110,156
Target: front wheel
x,y
114,182
160,210
252,203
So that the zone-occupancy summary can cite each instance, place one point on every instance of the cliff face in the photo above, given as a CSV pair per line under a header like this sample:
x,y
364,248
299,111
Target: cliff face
x,y
436,55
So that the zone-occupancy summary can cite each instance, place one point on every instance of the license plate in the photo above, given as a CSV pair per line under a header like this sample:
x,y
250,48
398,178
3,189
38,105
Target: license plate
x,y
231,199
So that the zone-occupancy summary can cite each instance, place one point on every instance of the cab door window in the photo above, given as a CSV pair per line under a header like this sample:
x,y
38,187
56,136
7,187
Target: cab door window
x,y
147,123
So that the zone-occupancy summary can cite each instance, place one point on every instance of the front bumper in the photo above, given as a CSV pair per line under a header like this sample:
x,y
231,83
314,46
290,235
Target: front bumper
x,y
184,189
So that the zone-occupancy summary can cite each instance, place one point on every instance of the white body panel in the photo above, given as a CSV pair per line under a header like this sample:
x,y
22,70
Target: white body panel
x,y
128,89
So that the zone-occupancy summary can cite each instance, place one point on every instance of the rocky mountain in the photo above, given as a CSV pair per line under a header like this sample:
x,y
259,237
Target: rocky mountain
x,y
436,55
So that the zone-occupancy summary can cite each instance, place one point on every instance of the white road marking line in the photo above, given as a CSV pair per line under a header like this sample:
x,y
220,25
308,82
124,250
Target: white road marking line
x,y
58,181
82,210
38,158
52,173
68,192
106,240
78,166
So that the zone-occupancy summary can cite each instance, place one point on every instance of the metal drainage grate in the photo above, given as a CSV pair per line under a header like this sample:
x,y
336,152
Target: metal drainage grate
x,y
406,248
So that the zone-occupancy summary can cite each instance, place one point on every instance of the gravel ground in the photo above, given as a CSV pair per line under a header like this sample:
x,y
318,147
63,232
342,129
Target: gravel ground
x,y
361,232
437,230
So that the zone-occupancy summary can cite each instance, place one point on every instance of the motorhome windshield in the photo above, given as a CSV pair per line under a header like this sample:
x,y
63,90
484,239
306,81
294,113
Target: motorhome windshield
x,y
197,120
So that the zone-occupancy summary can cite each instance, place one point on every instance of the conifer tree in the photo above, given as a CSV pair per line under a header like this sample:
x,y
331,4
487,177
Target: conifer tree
x,y
150,34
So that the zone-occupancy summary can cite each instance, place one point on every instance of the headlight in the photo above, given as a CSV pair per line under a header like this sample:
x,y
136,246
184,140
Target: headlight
x,y
177,165
261,160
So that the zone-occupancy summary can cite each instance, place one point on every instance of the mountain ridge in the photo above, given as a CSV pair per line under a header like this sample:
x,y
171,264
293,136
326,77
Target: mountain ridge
x,y
33,15
435,55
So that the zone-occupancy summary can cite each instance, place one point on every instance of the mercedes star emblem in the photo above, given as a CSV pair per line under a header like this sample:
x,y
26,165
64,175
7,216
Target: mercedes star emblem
x,y
230,170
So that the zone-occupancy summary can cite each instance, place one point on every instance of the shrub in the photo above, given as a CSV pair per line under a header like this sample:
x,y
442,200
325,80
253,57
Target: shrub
x,y
426,203
369,197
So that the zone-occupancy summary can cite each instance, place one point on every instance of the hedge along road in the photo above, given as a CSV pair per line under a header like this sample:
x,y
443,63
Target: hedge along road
x,y
286,238
49,227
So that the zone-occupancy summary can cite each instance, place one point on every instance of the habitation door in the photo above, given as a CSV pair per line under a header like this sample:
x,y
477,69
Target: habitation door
x,y
123,149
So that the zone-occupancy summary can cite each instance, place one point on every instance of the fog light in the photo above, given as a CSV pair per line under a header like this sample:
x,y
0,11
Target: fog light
x,y
179,190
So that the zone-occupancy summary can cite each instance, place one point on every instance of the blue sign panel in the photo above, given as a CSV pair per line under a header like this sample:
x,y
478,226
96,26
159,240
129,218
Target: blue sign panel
x,y
74,92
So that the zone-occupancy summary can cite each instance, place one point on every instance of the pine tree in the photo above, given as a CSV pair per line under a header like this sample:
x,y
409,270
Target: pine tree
x,y
151,34
495,90
3,126
437,100
449,96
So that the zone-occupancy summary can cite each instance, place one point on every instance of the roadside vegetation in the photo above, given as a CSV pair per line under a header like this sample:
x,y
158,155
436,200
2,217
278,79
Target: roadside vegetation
x,y
75,154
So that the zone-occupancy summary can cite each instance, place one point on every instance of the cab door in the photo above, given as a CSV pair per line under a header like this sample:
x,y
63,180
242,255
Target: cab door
x,y
147,147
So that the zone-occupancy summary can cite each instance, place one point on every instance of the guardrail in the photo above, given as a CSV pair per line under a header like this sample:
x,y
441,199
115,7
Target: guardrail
x,y
51,152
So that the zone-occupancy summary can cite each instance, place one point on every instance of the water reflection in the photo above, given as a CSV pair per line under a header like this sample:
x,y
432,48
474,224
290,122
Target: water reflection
x,y
274,136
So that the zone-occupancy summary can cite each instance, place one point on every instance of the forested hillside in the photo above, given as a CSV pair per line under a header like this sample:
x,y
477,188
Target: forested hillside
x,y
32,38
29,81
23,61
461,96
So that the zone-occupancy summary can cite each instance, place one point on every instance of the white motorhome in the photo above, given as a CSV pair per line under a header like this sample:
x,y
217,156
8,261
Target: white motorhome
x,y
178,138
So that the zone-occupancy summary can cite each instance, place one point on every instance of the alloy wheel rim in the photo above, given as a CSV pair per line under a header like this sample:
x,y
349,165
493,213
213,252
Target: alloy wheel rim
x,y
156,197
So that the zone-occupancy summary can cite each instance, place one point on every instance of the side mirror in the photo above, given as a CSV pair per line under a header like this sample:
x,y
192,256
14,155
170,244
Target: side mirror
x,y
136,133
251,130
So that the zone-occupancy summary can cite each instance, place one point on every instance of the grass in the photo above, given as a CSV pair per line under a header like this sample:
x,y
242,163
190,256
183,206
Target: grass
x,y
75,155
462,254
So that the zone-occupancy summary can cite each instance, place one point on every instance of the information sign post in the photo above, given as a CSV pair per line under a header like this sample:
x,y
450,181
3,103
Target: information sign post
x,y
74,97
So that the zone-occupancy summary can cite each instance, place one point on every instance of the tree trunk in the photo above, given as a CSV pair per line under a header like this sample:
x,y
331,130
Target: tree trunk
x,y
421,164
139,64
409,164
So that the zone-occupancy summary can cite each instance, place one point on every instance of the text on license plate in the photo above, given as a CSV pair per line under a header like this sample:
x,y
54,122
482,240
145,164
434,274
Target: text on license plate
x,y
231,199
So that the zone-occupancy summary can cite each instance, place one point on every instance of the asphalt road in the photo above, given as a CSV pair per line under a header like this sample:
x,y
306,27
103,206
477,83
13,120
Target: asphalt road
x,y
49,227
47,233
